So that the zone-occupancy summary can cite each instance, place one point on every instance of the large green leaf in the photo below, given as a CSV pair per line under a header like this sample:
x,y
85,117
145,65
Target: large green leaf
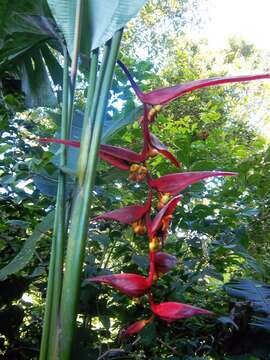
x,y
102,18
24,51
28,249
35,82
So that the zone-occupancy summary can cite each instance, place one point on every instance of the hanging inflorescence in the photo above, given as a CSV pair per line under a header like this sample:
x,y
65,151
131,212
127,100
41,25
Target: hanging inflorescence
x,y
166,188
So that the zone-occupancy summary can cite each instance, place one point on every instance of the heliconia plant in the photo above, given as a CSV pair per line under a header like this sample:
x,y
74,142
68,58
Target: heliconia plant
x,y
166,187
153,223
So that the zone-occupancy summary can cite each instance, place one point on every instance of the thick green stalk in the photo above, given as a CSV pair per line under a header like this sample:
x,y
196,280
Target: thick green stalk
x,y
89,122
61,228
80,212
49,297
56,260
75,56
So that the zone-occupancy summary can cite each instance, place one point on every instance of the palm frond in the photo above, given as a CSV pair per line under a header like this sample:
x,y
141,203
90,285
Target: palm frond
x,y
258,293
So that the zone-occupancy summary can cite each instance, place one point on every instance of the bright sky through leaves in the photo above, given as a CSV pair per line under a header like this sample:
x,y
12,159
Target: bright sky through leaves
x,y
247,19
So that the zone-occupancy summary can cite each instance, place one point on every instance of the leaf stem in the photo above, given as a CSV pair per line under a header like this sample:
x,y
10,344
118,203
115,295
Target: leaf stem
x,y
81,207
75,56
56,261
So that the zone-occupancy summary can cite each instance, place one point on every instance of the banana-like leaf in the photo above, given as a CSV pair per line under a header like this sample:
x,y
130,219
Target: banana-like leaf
x,y
28,249
35,82
24,53
102,18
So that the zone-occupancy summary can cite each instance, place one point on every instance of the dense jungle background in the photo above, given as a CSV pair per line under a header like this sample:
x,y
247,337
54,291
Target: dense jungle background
x,y
219,233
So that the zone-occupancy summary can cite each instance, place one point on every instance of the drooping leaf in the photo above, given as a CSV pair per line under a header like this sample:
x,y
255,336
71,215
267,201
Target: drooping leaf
x,y
28,249
35,82
101,20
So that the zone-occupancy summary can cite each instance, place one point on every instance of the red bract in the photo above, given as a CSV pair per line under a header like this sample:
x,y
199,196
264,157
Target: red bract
x,y
132,285
132,215
165,95
161,222
164,262
122,158
152,145
171,311
174,183
119,157
136,327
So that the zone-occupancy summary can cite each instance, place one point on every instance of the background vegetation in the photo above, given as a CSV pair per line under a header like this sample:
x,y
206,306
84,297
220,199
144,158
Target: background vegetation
x,y
220,232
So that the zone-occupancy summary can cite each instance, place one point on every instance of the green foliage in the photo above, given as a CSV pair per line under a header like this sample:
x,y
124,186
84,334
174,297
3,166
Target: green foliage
x,y
27,252
219,233
28,30
258,294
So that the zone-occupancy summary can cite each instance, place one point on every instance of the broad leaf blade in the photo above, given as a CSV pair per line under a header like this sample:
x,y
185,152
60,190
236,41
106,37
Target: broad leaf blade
x,y
108,19
35,82
102,18
28,249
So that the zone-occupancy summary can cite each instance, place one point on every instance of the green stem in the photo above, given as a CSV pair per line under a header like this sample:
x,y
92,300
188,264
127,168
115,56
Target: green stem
x,y
49,297
86,131
80,213
75,56
89,122
56,260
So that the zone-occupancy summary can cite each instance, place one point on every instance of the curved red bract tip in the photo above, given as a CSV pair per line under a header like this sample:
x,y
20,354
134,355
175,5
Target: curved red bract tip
x,y
167,209
121,153
172,311
165,95
174,183
135,87
125,215
128,214
135,327
114,155
132,285
162,149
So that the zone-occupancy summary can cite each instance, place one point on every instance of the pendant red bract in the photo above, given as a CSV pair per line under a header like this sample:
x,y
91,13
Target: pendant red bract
x,y
165,95
174,183
172,311
114,155
128,214
135,328
132,285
